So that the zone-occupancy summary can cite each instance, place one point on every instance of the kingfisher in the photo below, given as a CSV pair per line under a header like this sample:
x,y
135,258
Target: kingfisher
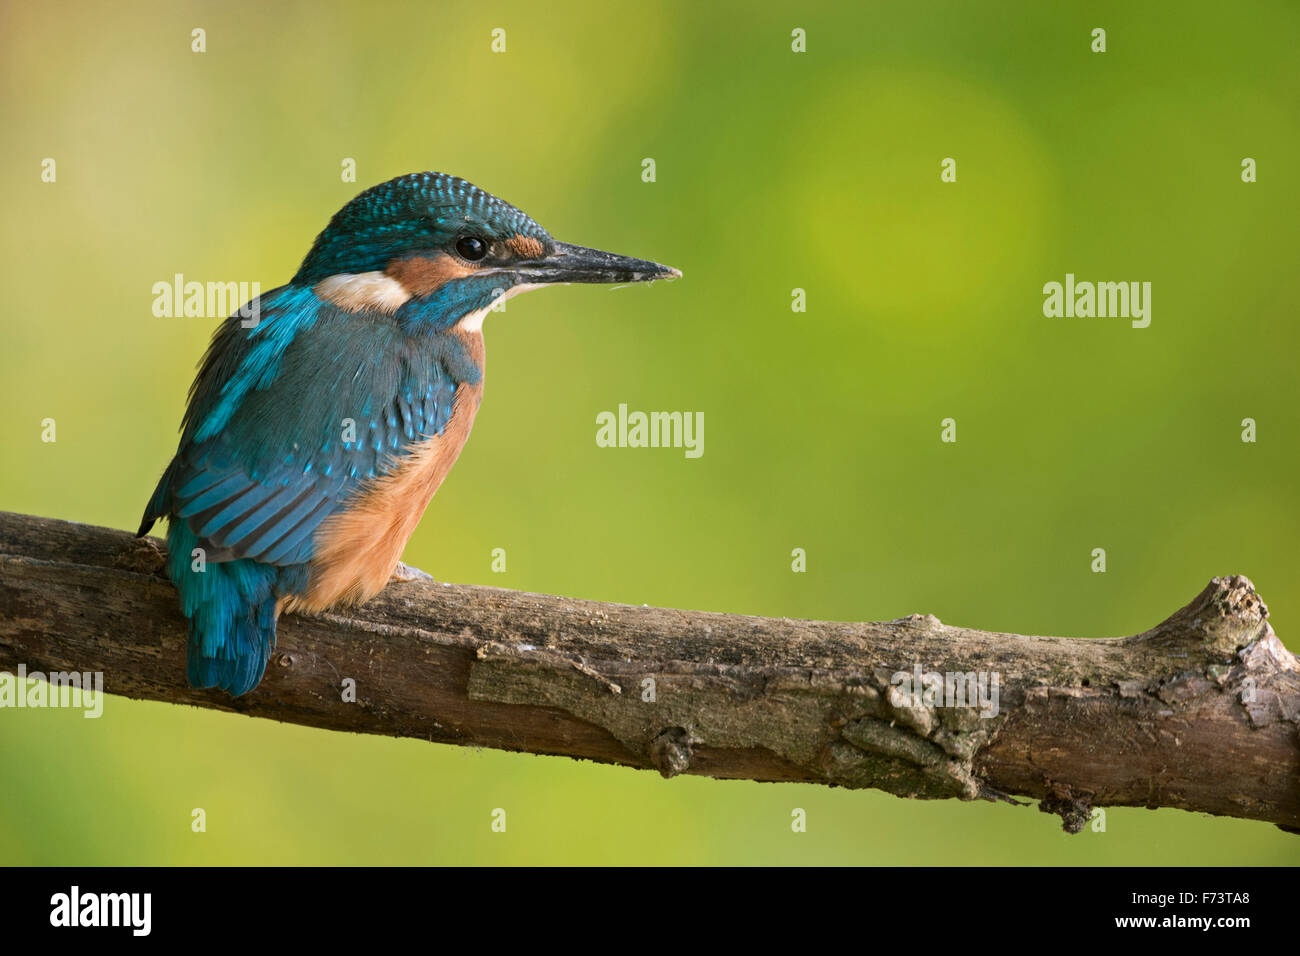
x,y
316,433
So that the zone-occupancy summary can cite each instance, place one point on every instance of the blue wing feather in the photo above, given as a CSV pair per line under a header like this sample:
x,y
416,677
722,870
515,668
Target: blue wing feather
x,y
278,446
285,422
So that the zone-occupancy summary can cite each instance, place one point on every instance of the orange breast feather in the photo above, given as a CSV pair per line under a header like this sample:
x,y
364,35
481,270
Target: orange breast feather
x,y
357,549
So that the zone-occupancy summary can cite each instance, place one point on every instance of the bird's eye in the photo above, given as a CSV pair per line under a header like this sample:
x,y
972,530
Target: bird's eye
x,y
471,247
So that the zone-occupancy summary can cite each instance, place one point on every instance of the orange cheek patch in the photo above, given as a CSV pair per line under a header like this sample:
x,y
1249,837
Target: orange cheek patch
x,y
420,275
526,247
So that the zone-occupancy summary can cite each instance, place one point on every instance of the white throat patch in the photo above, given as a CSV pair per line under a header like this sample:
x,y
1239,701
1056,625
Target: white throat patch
x,y
473,322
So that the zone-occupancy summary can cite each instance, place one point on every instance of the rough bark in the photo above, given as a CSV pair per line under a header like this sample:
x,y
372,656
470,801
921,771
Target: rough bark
x,y
1201,712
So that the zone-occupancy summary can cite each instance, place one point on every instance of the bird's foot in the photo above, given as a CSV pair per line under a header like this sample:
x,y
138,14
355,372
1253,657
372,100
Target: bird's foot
x,y
404,573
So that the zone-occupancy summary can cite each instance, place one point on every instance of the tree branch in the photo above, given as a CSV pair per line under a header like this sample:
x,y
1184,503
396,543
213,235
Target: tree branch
x,y
1201,712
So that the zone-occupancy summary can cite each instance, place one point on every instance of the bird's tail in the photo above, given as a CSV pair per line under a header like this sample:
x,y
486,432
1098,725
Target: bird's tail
x,y
231,609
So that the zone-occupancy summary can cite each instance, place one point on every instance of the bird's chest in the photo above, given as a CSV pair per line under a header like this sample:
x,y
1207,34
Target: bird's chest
x,y
358,548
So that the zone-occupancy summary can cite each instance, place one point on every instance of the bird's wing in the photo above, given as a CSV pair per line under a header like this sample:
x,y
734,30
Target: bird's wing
x,y
288,419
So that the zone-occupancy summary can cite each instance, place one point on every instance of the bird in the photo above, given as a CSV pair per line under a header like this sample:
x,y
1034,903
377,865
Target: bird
x,y
317,432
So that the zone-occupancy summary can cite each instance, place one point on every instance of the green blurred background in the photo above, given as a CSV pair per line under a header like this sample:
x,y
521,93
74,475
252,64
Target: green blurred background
x,y
774,171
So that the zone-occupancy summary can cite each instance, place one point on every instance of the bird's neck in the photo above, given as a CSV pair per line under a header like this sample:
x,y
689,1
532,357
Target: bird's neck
x,y
456,306
412,298
459,350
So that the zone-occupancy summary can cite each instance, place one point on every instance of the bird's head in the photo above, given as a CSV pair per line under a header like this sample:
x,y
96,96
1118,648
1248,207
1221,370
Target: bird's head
x,y
436,246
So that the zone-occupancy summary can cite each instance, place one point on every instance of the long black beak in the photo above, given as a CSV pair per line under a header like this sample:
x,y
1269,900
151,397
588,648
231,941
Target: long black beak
x,y
569,263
